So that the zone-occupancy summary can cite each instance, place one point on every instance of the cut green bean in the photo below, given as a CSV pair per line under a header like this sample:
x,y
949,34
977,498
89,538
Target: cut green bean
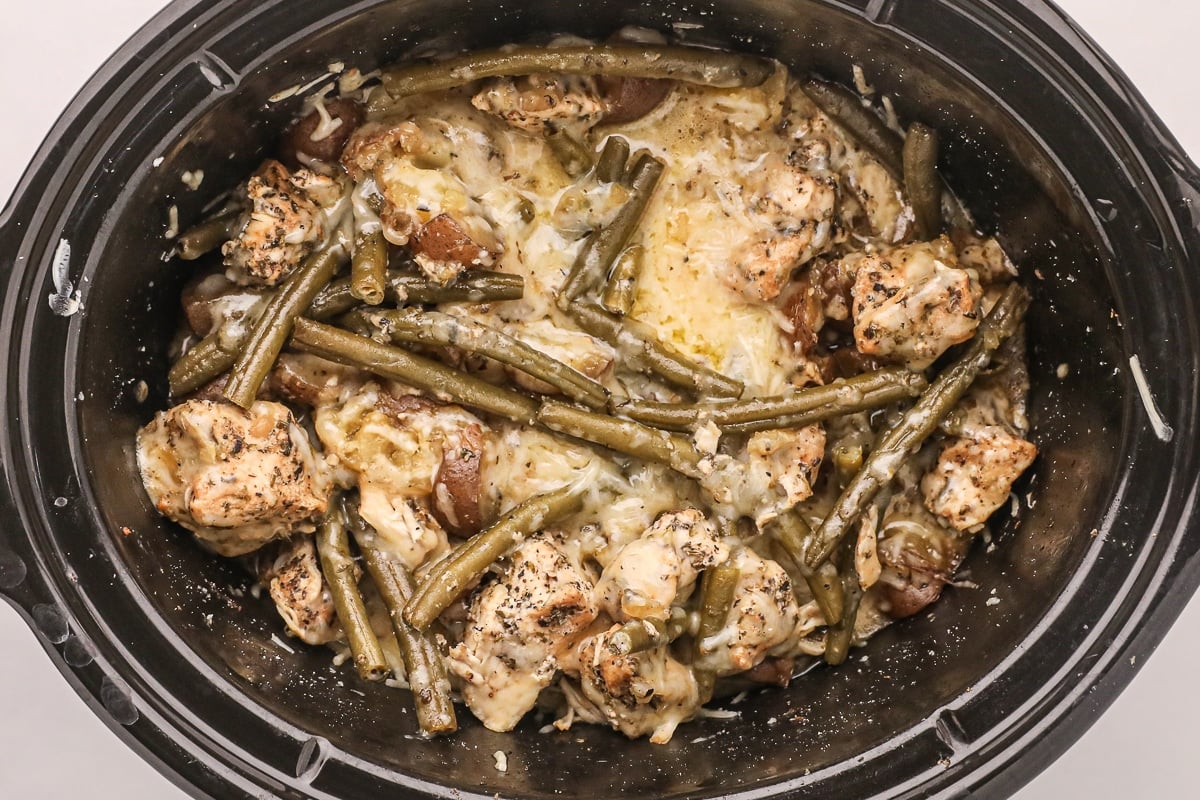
x,y
840,635
847,110
717,588
475,286
604,244
368,268
573,156
921,180
337,565
423,663
439,380
638,635
622,435
863,392
433,327
687,64
621,289
641,350
208,235
610,166
271,330
792,532
917,424
206,361
452,576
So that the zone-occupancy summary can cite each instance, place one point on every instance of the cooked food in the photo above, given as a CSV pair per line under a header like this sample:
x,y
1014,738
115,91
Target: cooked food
x,y
593,378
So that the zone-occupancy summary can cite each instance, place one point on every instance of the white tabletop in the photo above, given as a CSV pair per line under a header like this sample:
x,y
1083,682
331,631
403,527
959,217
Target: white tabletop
x,y
51,745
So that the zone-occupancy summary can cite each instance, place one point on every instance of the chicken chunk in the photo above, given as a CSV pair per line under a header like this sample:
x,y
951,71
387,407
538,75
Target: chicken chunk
x,y
913,303
543,104
653,572
404,524
765,619
637,694
774,473
974,474
794,209
295,582
517,628
236,478
428,174
282,225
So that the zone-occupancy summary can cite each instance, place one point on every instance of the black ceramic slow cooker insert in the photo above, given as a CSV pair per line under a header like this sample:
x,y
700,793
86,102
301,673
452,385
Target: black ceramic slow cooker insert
x,y
1043,138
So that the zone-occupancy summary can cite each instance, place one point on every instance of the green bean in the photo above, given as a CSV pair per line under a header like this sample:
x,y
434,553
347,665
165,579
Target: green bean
x,y
717,588
206,361
604,244
641,350
421,373
687,64
622,283
337,565
647,634
208,235
423,663
624,436
433,327
802,407
918,423
791,532
475,286
573,156
840,635
610,167
847,461
921,180
368,267
847,110
271,330
455,573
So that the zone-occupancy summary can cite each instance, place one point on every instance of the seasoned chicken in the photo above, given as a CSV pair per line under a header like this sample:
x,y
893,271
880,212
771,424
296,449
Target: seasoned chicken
x,y
765,619
793,209
543,104
774,473
913,303
282,225
637,694
974,474
429,173
517,627
294,580
659,569
986,256
236,478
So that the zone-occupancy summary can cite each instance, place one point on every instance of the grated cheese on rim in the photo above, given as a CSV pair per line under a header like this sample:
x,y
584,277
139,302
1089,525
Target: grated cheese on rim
x,y
1161,429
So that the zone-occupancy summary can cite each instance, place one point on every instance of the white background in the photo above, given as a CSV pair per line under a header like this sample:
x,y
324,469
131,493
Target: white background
x,y
51,746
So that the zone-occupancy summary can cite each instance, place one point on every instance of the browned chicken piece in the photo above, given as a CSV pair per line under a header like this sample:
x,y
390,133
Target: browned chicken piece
x,y
637,694
281,226
517,628
543,104
236,478
774,473
651,573
765,619
986,257
294,580
427,203
913,303
918,556
974,474
795,210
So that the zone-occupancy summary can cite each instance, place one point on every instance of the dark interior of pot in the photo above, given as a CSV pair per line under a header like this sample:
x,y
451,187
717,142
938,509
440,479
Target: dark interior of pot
x,y
904,707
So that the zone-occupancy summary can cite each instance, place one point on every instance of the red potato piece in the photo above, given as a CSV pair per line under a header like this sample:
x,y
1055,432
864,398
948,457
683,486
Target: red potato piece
x,y
298,146
630,99
458,486
443,249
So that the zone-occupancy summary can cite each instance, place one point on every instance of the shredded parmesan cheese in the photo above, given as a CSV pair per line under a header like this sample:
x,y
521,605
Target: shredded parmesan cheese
x,y
1161,429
